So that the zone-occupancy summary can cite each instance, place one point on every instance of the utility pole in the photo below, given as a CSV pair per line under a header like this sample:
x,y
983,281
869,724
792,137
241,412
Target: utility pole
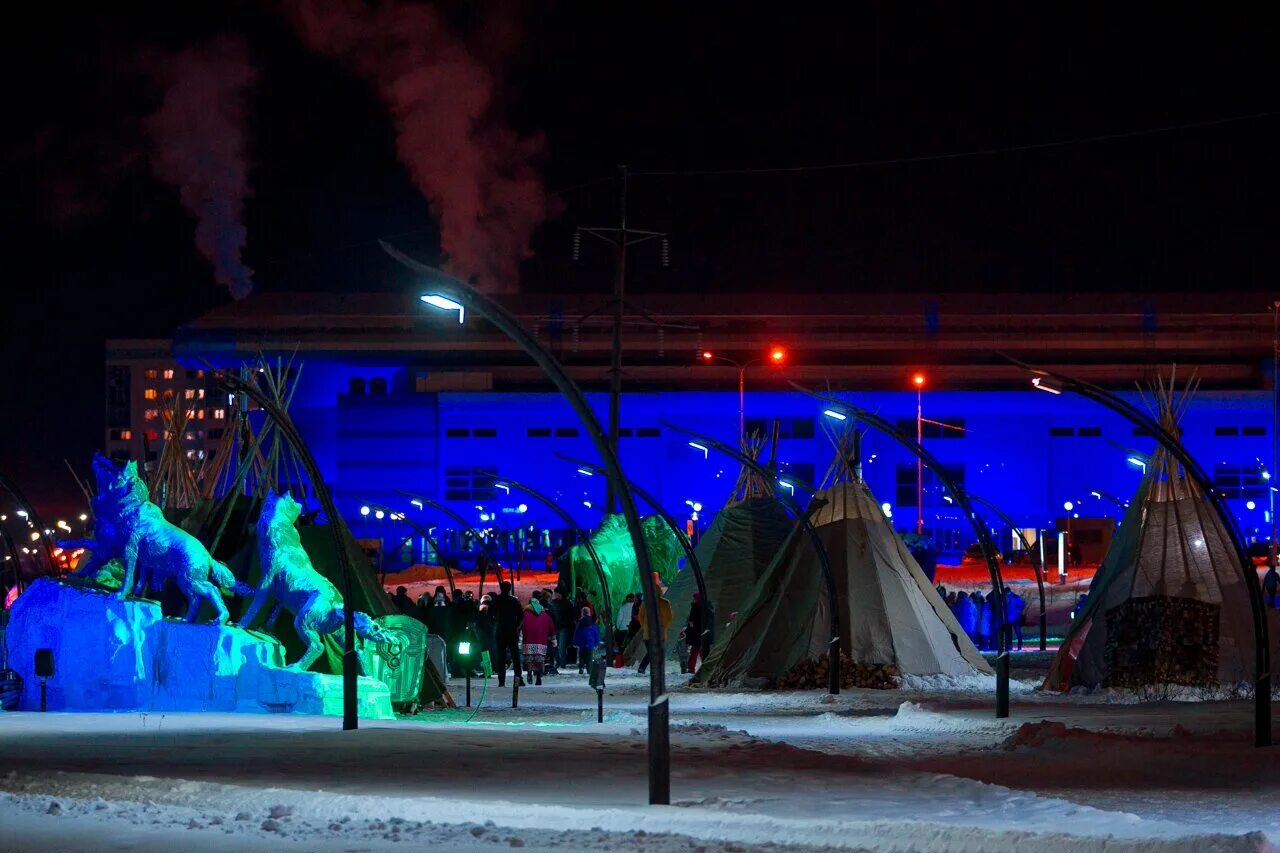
x,y
620,237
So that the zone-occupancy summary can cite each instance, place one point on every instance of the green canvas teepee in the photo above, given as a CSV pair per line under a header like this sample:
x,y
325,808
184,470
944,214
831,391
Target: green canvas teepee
x,y
612,542
734,553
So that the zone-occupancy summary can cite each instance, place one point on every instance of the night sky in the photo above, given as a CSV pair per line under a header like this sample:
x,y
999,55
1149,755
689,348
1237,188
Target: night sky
x,y
97,246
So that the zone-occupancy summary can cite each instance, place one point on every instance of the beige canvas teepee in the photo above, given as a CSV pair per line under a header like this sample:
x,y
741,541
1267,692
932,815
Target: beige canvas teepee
x,y
1168,605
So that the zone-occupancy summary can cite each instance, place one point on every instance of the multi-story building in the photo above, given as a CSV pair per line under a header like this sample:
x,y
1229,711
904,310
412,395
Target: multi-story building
x,y
393,396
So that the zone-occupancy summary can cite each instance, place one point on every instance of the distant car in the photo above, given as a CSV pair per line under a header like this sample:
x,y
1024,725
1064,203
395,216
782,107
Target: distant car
x,y
973,554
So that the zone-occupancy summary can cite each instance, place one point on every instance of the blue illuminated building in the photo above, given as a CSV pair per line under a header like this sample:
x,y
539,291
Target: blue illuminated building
x,y
396,397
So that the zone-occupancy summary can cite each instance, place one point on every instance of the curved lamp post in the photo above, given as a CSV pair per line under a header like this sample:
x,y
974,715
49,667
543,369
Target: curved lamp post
x,y
486,547
1033,556
421,531
450,294
1057,383
350,666
802,516
979,528
585,541
685,544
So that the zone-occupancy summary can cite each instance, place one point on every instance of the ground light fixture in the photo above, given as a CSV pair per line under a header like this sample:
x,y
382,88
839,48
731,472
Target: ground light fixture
x,y
444,303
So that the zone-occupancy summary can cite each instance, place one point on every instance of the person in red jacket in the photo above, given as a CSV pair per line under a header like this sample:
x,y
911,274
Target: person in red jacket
x,y
539,634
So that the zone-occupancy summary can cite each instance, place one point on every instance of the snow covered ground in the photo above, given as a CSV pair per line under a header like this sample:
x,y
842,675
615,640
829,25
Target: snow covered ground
x,y
927,768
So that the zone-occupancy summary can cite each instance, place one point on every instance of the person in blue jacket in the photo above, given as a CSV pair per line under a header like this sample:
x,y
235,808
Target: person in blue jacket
x,y
980,624
1014,607
967,614
586,636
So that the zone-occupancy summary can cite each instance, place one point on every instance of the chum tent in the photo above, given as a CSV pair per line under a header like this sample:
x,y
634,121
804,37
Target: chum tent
x,y
890,613
734,552
1168,604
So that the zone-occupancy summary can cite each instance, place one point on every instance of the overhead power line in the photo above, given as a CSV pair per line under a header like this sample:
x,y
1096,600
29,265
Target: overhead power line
x,y
957,155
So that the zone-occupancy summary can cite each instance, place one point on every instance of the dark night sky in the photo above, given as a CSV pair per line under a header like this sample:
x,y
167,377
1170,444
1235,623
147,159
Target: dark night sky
x,y
95,247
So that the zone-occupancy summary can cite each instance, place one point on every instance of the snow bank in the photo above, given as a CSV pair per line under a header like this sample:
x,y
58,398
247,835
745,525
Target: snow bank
x,y
975,683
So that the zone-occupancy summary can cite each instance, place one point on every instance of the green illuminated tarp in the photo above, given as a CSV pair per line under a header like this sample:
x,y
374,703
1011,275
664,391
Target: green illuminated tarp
x,y
612,542
734,552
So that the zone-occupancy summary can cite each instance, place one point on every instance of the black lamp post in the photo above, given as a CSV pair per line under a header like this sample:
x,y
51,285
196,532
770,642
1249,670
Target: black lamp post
x,y
448,293
1034,557
1057,383
979,528
802,517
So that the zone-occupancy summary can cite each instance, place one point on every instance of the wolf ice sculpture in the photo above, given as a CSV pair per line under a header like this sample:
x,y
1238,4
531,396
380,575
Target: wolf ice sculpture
x,y
289,578
129,527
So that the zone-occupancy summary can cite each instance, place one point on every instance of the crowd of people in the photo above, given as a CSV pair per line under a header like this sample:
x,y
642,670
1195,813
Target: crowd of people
x,y
549,633
979,615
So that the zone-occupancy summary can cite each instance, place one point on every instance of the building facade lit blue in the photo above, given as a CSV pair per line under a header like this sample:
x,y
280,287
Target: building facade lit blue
x,y
392,399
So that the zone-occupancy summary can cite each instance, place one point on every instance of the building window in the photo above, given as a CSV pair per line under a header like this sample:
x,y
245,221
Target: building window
x,y
199,393
152,373
199,414
457,432
1243,482
151,414
168,374
787,427
189,394
377,385
355,385
1142,432
566,432
485,432
215,434
219,414
152,435
1089,432
1223,431
1253,430
1232,431
1061,432
470,484
121,435
539,432
624,432
149,394
646,432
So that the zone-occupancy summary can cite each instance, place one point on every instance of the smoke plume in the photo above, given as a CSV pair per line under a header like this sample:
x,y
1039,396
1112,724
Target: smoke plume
x,y
200,147
477,174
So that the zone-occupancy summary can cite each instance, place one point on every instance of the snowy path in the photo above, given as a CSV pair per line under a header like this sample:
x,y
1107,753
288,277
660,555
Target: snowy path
x,y
884,770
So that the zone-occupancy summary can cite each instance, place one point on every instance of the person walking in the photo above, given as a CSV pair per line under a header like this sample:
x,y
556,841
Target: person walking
x,y
692,634
403,602
664,622
980,623
508,620
586,636
538,630
486,629
1270,581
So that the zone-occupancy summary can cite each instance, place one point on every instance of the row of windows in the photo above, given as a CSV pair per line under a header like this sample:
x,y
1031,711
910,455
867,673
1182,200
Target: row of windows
x,y
906,482
1240,481
787,427
168,373
1079,432
470,484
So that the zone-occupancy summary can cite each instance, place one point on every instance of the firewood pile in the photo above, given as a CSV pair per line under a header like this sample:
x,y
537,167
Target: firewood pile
x,y
812,675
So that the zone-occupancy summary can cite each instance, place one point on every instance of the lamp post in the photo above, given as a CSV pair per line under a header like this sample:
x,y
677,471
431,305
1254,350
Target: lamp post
x,y
802,517
777,355
980,529
1036,563
918,381
1056,383
461,297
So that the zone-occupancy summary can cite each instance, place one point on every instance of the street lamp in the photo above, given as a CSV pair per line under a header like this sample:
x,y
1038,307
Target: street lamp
x,y
777,355
465,296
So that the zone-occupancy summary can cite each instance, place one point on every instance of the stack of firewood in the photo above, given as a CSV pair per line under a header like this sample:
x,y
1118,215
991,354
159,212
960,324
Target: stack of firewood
x,y
812,675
